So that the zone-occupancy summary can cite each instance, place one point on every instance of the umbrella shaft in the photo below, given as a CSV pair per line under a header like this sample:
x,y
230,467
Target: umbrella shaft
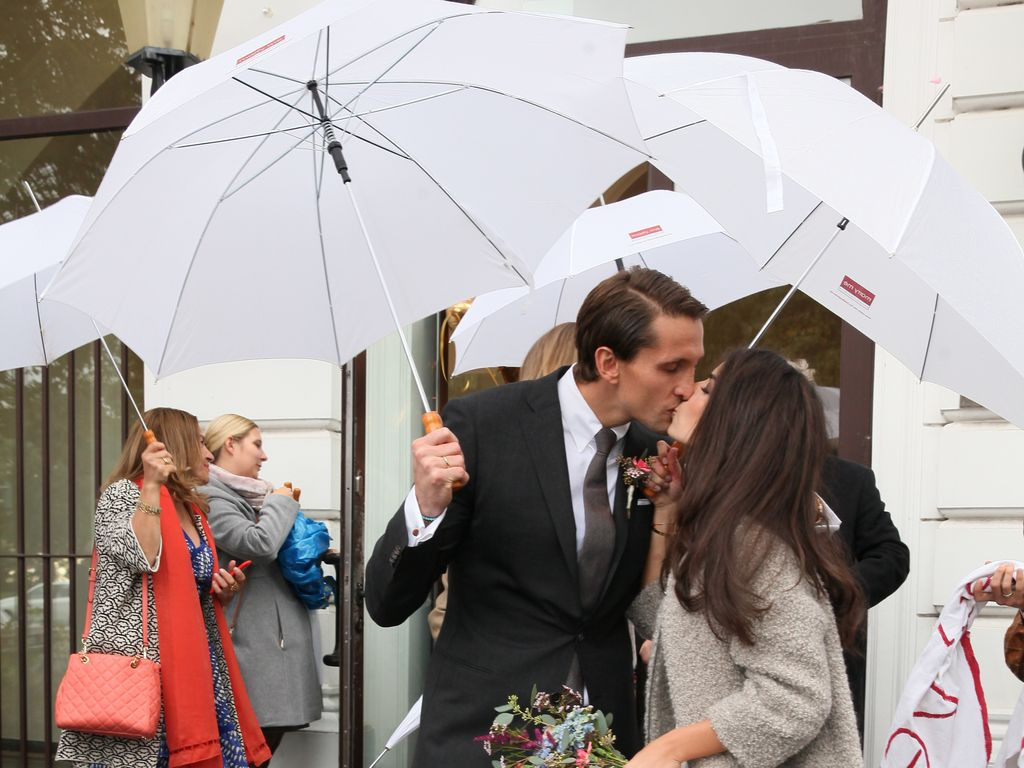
x,y
379,757
785,299
333,145
117,369
390,302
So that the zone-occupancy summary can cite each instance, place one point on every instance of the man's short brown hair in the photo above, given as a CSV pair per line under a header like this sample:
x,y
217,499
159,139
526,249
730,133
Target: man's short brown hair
x,y
619,311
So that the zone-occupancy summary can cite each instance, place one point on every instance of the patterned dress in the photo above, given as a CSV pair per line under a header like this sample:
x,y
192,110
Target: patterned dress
x,y
117,628
232,749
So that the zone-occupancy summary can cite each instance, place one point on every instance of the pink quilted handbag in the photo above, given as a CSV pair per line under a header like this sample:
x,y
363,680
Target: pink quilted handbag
x,y
108,694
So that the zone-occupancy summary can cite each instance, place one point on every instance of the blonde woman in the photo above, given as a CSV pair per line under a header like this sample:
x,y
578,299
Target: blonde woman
x,y
550,352
272,634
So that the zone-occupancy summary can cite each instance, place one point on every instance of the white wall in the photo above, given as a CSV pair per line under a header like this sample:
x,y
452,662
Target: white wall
x,y
950,476
672,19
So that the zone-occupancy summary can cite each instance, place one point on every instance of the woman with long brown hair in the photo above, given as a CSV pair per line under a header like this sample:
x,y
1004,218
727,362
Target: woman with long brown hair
x,y
150,520
747,665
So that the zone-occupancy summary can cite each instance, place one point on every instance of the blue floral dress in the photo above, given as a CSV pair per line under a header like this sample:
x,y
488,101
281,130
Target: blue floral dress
x,y
232,748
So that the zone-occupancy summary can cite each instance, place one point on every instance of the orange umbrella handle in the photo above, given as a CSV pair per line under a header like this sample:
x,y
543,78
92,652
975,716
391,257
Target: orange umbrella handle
x,y
431,423
679,447
150,436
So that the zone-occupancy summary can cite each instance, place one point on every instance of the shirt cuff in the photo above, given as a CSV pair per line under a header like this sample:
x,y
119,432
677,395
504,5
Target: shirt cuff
x,y
159,550
419,530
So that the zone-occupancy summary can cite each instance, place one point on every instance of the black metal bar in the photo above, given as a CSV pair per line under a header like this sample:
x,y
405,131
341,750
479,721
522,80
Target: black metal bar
x,y
126,407
97,415
44,406
72,532
19,484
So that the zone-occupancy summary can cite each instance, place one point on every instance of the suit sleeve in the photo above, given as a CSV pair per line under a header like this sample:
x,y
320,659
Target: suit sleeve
x,y
882,560
260,541
399,577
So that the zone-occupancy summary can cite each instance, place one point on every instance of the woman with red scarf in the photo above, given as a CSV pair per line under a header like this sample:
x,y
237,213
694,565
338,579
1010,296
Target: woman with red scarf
x,y
150,519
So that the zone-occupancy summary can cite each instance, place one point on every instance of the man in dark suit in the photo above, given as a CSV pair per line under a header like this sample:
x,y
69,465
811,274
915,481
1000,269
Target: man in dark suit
x,y
881,561
543,553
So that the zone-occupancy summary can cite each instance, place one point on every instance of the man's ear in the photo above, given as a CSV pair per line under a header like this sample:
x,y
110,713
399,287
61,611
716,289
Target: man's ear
x,y
607,365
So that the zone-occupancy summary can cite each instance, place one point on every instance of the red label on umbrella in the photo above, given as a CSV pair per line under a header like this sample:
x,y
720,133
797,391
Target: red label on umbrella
x,y
857,290
645,232
259,50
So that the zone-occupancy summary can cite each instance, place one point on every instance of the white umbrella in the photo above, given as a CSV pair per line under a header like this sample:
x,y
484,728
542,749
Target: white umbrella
x,y
409,723
31,250
832,194
472,137
662,230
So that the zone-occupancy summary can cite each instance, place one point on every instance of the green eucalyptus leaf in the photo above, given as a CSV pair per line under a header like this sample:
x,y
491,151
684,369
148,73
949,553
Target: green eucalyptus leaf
x,y
505,718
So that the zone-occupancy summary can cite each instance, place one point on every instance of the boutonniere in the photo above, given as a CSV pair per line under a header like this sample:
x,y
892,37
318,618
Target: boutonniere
x,y
635,471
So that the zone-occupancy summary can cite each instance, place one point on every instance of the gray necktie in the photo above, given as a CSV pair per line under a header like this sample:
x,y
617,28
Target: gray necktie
x,y
595,555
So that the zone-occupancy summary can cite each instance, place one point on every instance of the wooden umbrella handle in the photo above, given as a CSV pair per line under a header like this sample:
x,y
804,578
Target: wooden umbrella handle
x,y
431,423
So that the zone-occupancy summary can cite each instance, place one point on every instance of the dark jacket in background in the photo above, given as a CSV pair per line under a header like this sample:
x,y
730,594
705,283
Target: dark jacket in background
x,y
881,561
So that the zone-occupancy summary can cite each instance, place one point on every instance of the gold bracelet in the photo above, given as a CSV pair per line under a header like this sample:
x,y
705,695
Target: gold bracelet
x,y
661,533
149,509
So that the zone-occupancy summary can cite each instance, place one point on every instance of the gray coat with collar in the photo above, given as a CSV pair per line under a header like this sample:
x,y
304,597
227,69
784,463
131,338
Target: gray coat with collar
x,y
784,701
273,639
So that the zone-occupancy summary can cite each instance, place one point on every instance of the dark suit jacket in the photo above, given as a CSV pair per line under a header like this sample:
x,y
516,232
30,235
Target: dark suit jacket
x,y
881,561
514,617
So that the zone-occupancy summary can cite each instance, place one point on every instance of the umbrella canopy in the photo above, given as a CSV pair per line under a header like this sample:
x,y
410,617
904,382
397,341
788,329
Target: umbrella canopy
x,y
472,138
923,265
31,250
662,230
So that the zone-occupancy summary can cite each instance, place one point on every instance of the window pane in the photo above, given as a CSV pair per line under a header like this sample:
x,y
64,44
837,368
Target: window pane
x,y
54,167
64,56
803,330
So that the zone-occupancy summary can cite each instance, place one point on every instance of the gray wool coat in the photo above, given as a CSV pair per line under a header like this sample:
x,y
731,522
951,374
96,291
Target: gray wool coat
x,y
785,701
272,636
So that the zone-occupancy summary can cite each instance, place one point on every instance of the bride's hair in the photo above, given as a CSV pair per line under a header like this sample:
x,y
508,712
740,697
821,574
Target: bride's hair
x,y
751,471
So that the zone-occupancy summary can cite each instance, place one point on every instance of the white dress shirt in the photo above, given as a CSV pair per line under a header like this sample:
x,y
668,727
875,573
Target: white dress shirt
x,y
579,427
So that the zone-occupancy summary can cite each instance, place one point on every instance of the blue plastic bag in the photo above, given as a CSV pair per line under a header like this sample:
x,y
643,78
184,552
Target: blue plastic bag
x,y
299,560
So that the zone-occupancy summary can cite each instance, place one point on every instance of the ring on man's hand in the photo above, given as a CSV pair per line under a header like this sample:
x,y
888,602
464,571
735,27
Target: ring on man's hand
x,y
446,463
167,460
234,587
1010,593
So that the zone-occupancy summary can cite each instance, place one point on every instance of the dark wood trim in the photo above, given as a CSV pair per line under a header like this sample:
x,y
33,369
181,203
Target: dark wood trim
x,y
854,49
67,124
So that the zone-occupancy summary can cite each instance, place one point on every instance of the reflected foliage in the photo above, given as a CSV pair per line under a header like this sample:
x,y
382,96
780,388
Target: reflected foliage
x,y
63,56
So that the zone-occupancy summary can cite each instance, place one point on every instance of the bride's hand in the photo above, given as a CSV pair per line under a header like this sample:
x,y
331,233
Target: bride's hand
x,y
664,486
657,754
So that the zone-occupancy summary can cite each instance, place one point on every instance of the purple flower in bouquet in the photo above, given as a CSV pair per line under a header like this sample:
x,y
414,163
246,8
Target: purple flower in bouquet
x,y
553,730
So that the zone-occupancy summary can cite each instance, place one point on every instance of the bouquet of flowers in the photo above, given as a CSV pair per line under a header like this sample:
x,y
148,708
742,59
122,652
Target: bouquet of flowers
x,y
553,730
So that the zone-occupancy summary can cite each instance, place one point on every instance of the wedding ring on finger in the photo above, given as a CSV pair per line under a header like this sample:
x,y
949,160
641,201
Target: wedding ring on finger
x,y
167,459
1010,593
234,587
447,464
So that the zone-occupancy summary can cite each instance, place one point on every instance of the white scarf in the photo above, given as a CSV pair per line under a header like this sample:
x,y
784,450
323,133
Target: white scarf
x,y
252,489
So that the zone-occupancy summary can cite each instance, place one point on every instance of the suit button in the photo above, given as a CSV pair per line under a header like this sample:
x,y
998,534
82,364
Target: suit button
x,y
579,638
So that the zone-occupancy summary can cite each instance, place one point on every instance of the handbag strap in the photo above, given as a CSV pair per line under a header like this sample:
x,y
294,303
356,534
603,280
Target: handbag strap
x,y
88,607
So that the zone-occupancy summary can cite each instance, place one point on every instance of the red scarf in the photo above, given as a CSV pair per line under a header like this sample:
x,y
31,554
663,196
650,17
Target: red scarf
x,y
186,679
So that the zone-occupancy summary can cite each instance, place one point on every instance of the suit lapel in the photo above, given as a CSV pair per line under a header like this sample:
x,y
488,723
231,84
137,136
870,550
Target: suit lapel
x,y
546,443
